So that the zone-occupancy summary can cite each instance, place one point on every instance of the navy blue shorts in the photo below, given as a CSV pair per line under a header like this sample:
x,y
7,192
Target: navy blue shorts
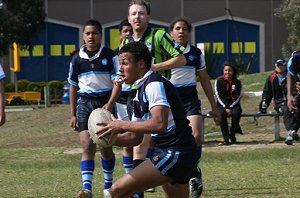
x,y
84,108
175,164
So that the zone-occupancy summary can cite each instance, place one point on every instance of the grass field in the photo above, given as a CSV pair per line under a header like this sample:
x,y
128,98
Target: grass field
x,y
40,154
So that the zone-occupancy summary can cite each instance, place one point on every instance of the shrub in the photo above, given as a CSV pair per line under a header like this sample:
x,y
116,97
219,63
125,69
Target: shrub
x,y
56,89
9,87
22,85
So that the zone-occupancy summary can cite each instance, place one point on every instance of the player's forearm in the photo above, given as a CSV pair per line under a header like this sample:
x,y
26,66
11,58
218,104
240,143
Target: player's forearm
x,y
73,100
289,85
128,139
170,64
114,95
207,87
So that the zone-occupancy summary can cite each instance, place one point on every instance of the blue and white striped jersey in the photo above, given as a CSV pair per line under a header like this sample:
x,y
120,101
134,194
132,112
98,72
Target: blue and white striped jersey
x,y
185,76
93,75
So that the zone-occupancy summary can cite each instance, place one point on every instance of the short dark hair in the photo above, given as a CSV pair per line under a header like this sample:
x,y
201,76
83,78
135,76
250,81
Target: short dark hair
x,y
140,52
93,22
142,3
232,65
181,19
123,23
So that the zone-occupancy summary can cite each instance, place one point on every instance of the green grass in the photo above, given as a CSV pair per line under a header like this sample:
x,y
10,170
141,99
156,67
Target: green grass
x,y
37,157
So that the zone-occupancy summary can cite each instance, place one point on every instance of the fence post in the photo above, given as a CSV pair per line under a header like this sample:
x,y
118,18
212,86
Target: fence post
x,y
47,96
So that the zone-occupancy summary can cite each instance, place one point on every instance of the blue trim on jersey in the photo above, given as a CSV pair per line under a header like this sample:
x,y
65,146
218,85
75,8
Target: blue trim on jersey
x,y
172,163
93,72
186,67
95,91
2,77
185,85
163,92
147,116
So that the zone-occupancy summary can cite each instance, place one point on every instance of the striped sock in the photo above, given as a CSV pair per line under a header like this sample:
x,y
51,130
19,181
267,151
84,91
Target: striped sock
x,y
127,163
108,170
87,171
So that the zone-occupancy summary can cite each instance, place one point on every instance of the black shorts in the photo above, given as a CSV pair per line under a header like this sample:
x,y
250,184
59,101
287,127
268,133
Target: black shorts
x,y
84,108
192,106
175,164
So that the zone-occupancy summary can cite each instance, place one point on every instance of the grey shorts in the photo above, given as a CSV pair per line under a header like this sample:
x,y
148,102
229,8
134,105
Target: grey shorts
x,y
84,108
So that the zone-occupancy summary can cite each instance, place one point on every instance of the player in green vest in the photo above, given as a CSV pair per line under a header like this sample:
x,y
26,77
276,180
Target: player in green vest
x,y
166,55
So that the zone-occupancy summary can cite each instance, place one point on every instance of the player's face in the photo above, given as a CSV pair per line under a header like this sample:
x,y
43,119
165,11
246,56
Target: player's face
x,y
91,37
138,17
125,32
128,68
228,72
180,33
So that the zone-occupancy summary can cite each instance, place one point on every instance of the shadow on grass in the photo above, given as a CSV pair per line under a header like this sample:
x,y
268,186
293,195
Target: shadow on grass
x,y
215,143
241,192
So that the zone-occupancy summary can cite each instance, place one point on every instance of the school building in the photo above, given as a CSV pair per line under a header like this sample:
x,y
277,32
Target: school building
x,y
230,28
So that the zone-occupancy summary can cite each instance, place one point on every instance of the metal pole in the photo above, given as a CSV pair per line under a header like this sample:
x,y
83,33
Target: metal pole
x,y
181,8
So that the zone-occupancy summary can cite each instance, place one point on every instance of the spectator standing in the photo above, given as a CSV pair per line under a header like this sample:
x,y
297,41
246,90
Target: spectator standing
x,y
228,90
276,88
184,79
2,103
91,75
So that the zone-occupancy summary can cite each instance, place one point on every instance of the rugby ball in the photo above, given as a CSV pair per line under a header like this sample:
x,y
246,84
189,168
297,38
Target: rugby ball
x,y
100,115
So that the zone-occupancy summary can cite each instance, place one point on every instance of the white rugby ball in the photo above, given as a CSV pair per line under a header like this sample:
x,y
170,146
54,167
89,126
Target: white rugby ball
x,y
100,115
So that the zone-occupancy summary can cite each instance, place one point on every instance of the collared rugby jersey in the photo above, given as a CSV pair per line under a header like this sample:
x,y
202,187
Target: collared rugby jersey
x,y
161,46
93,75
154,90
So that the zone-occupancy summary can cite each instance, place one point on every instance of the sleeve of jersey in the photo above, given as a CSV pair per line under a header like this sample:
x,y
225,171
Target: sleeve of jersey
x,y
291,67
168,45
155,94
202,63
73,74
2,74
115,71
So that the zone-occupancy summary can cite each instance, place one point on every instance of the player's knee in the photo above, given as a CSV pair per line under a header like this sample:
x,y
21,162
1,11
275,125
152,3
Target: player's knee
x,y
117,191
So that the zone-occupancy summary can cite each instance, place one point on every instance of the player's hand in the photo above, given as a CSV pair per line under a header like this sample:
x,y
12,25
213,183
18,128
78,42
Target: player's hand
x,y
298,87
119,81
216,116
291,104
110,128
73,123
228,111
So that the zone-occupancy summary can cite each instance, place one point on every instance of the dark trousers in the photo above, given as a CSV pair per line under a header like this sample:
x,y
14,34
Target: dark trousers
x,y
235,122
289,119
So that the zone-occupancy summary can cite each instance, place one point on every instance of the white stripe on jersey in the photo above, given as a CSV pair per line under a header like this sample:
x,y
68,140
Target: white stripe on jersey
x,y
94,81
184,76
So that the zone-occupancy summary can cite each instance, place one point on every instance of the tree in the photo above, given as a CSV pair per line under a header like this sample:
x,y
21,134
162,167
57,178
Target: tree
x,y
20,21
289,11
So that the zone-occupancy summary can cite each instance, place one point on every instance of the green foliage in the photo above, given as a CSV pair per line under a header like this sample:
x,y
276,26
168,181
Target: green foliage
x,y
211,60
289,12
242,65
56,89
22,85
20,21
35,86
9,87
